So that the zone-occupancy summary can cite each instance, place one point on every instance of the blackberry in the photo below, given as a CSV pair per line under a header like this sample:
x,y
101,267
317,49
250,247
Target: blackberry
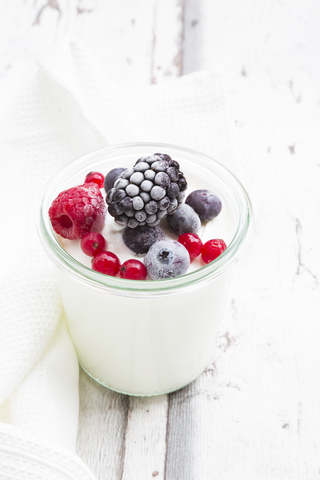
x,y
149,191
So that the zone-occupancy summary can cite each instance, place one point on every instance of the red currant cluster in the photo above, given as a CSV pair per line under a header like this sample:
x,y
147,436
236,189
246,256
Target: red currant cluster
x,y
103,261
209,251
94,245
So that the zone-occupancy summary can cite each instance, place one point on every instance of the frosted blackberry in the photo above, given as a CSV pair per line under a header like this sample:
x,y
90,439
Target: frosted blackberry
x,y
167,259
140,239
149,191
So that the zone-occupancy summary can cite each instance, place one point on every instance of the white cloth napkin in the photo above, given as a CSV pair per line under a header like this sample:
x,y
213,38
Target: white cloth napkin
x,y
65,110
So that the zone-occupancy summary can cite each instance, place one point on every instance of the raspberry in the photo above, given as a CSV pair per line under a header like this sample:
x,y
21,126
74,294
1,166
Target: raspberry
x,y
96,178
107,263
212,249
77,211
144,194
133,270
92,243
192,243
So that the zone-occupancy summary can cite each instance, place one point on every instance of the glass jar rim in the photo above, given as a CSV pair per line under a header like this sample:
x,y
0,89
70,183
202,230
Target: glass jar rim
x,y
121,286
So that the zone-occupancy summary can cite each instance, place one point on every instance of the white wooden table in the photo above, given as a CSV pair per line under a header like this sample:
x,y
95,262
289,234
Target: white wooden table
x,y
255,412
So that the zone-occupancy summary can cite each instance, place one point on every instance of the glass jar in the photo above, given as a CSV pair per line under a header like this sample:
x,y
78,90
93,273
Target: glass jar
x,y
147,337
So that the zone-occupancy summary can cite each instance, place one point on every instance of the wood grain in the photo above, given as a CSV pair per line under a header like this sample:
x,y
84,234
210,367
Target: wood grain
x,y
254,413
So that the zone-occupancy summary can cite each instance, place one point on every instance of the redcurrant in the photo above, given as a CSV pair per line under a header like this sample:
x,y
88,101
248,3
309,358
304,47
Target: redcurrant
x,y
192,242
95,177
212,249
133,270
92,243
107,263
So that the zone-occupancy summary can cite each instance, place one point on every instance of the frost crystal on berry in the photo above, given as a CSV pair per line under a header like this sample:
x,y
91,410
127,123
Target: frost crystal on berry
x,y
150,190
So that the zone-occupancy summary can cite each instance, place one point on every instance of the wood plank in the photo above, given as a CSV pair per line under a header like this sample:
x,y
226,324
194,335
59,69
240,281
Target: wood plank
x,y
120,36
103,419
167,41
145,442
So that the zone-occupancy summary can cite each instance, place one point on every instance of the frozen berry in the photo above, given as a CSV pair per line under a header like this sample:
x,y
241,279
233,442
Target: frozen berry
x,y
140,239
184,220
212,249
92,243
107,263
77,211
193,244
153,183
111,177
133,270
167,259
95,177
205,203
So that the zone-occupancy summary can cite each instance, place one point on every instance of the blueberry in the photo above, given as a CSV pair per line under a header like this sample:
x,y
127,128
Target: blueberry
x,y
111,177
205,203
184,220
140,239
167,259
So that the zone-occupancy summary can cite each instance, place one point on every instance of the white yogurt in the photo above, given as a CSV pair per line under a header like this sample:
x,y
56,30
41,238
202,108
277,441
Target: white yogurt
x,y
147,337
146,346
